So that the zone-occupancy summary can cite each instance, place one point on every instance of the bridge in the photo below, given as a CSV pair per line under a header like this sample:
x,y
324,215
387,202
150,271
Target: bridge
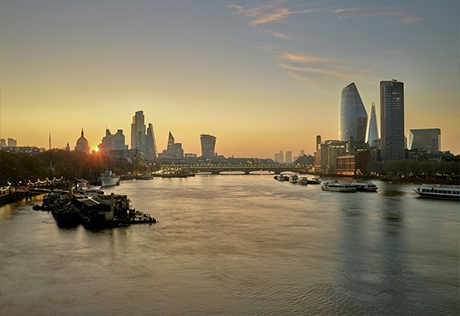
x,y
247,169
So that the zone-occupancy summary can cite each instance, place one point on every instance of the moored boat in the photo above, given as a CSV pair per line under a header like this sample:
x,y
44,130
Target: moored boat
x,y
281,177
436,191
314,181
293,179
337,186
109,179
303,181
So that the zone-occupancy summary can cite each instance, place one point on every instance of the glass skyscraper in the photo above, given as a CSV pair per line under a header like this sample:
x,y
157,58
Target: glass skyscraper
x,y
353,116
208,146
392,119
372,131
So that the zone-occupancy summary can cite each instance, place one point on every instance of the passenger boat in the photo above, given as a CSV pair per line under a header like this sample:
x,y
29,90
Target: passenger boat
x,y
436,191
314,181
303,181
109,179
293,179
365,186
337,186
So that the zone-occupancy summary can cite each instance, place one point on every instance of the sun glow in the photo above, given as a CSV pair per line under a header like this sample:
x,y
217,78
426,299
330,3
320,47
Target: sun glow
x,y
96,149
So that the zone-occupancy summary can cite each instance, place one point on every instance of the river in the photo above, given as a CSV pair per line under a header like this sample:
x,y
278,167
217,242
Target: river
x,y
239,245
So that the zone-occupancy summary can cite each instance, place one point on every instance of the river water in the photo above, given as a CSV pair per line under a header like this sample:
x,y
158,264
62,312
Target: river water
x,y
239,245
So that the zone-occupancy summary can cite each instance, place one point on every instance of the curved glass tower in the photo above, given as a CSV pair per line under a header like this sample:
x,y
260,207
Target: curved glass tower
x,y
353,116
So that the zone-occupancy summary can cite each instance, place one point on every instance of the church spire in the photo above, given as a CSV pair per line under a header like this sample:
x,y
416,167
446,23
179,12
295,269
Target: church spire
x,y
82,133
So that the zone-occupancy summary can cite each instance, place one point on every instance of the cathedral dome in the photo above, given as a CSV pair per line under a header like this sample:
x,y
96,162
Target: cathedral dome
x,y
82,143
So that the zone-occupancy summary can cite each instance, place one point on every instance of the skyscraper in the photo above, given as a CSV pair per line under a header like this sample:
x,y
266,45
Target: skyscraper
x,y
353,116
138,132
173,151
142,141
208,146
392,119
428,140
151,147
372,131
288,156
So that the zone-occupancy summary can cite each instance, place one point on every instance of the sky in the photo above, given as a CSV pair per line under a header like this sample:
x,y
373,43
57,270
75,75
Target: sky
x,y
262,76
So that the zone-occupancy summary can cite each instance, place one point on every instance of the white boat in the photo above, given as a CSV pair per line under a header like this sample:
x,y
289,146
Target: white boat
x,y
109,179
337,186
365,186
436,191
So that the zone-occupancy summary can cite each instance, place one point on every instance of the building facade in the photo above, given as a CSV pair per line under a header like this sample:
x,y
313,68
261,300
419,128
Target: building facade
x,y
288,157
279,157
12,142
353,115
142,138
208,146
173,151
112,142
428,140
392,120
372,130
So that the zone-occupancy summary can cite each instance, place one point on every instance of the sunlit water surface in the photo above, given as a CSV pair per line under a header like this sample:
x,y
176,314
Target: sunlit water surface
x,y
239,245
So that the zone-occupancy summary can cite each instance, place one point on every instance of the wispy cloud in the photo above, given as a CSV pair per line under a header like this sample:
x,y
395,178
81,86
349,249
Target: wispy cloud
x,y
304,67
280,35
278,11
266,13
300,58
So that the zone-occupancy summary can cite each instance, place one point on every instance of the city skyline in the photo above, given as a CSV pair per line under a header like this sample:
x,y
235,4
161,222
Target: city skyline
x,y
94,70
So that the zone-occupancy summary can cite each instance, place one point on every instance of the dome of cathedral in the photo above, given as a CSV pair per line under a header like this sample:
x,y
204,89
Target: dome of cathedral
x,y
82,143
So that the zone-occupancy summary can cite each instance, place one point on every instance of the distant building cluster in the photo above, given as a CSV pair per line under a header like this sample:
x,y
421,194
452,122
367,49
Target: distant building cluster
x,y
143,144
354,153
11,145
174,150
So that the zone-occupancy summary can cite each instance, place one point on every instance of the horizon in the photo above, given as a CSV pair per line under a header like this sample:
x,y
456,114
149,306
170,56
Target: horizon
x,y
261,76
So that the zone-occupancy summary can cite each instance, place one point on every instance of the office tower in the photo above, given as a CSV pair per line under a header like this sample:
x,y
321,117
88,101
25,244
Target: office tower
x,y
318,142
82,143
151,148
372,131
142,139
392,119
288,156
208,146
428,140
174,150
138,132
353,116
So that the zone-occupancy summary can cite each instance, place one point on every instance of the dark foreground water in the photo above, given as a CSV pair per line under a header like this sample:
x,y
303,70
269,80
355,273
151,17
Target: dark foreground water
x,y
239,245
